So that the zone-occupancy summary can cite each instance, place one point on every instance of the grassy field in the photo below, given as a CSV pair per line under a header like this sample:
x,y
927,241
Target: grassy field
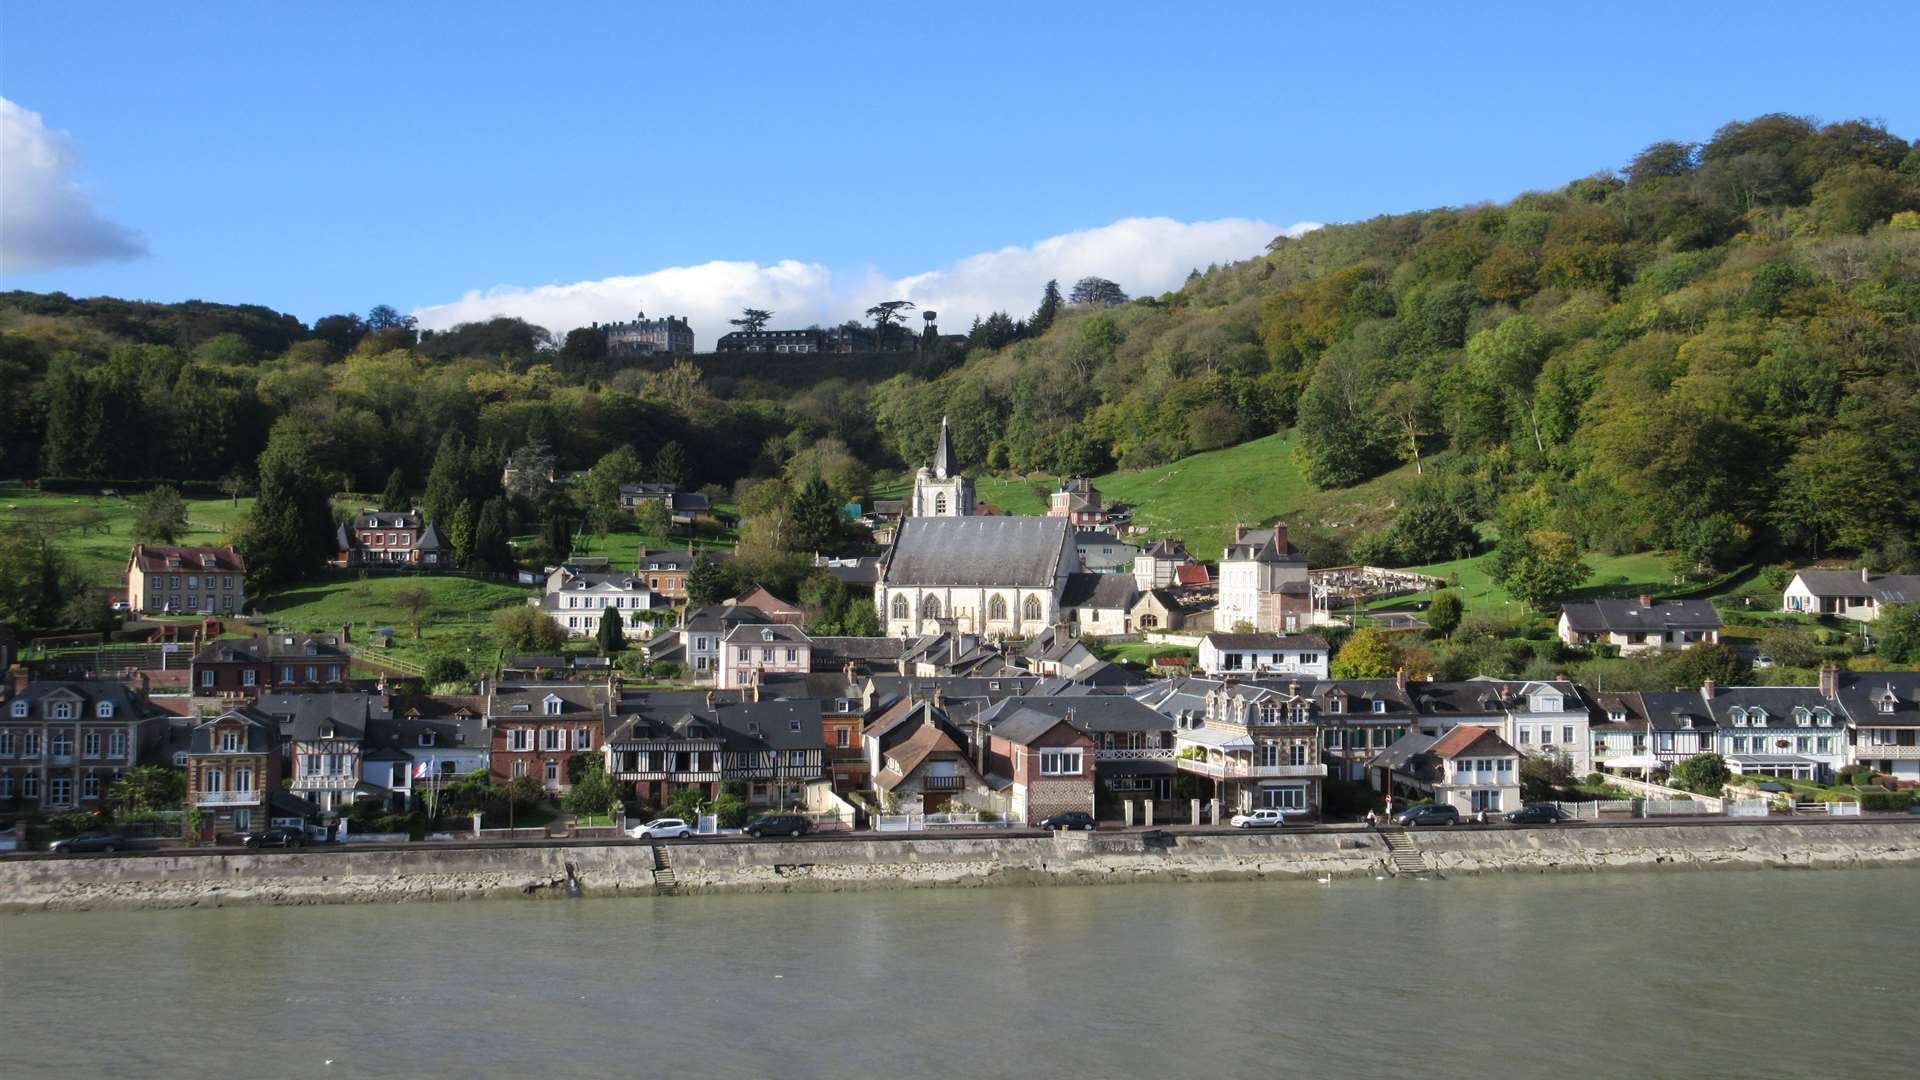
x,y
1613,575
1202,497
101,551
622,549
459,624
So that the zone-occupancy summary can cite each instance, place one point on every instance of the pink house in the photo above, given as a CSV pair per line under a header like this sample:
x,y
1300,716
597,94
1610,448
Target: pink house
x,y
752,650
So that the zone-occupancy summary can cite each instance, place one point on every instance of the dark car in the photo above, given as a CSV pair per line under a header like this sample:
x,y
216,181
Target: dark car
x,y
87,842
779,825
1538,814
1072,819
276,837
1430,815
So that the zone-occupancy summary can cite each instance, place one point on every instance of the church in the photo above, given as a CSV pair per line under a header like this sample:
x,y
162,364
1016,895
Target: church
x,y
941,491
948,566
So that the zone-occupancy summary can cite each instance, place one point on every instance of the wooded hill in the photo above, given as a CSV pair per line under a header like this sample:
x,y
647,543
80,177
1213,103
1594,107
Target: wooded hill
x,y
1711,350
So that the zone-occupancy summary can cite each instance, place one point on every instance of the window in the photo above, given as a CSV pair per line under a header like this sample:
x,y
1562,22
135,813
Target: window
x,y
286,673
555,739
206,678
841,737
1297,754
1031,609
1739,744
1379,706
19,708
229,742
117,744
930,608
1268,755
1486,800
213,781
104,710
180,759
1059,763
997,607
249,677
63,710
313,673
1284,798
1335,705
1566,734
520,740
553,706
1825,744
940,503
243,779
310,764
428,737
60,791
583,739
6,786
519,768
1526,735
793,655
90,744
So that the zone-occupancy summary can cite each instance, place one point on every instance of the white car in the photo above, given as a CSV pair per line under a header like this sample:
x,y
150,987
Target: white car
x,y
666,828
1762,662
1263,818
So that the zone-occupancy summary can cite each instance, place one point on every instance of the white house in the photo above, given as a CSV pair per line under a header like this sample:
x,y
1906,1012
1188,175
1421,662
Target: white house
x,y
1640,625
1479,771
1259,573
750,652
1264,654
1859,597
576,598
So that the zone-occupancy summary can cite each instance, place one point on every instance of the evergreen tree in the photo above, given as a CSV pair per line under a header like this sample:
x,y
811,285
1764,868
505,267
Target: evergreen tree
x,y
670,465
556,533
491,547
816,517
1049,307
394,498
447,483
290,533
611,636
460,533
704,584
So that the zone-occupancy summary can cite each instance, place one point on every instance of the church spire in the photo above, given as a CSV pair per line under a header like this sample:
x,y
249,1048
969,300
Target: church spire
x,y
943,453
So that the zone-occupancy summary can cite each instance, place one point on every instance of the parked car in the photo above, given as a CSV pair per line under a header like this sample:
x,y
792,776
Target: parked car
x,y
1430,815
1762,662
779,825
87,842
278,836
666,828
1072,819
1538,814
1264,818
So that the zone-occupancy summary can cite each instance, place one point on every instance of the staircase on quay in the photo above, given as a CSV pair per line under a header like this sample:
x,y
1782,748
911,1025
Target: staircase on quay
x,y
1403,855
663,881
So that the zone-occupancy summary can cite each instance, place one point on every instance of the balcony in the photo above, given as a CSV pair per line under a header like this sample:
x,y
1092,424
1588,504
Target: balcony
x,y
1142,754
317,782
228,798
1870,752
1239,769
943,783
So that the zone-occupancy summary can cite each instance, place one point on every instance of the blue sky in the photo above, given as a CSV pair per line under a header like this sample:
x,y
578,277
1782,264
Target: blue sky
x,y
328,158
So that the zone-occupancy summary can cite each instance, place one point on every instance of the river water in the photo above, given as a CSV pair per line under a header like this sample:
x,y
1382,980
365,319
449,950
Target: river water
x,y
1748,974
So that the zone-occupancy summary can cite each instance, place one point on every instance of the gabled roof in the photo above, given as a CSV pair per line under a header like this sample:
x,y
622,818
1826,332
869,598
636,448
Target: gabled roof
x,y
1262,545
977,552
1884,588
1862,694
1471,738
1090,713
1631,616
388,519
1100,592
928,739
303,716
767,632
262,733
154,559
527,701
1169,548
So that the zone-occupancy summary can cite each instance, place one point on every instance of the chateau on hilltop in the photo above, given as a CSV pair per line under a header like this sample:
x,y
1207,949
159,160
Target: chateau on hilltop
x,y
644,336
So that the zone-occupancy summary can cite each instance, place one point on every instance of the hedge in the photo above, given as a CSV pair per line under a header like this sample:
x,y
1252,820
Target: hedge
x,y
1886,801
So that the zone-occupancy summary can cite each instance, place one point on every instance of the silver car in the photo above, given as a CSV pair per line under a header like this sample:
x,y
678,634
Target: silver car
x,y
1264,818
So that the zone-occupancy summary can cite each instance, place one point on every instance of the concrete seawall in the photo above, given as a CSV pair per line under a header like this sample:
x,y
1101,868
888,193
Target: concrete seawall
x,y
425,872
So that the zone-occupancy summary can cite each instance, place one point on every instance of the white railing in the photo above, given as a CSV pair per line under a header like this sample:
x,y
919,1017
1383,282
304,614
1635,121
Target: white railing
x,y
1676,807
1871,751
1746,807
1160,754
1580,811
227,798
318,781
1660,793
1241,770
1831,809
921,822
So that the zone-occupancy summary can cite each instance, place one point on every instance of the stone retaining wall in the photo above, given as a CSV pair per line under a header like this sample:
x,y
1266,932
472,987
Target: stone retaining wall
x,y
427,872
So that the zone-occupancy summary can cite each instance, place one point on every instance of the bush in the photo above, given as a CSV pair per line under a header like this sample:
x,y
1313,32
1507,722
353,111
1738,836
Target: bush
x,y
393,823
446,669
75,822
731,812
1596,780
666,672
1887,802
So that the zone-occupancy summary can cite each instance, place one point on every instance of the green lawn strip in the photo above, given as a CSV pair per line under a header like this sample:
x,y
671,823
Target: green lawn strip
x,y
459,623
101,552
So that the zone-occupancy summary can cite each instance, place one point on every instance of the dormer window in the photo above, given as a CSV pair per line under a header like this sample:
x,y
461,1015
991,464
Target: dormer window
x,y
1888,701
326,731
229,742
1823,717
1739,716
1801,717
1379,706
1686,723
427,738
753,727
1333,704
104,710
1757,716
1618,716
553,705
19,708
766,635
793,724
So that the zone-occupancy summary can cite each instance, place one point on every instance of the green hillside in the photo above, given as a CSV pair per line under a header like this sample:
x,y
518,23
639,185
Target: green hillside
x,y
100,550
459,623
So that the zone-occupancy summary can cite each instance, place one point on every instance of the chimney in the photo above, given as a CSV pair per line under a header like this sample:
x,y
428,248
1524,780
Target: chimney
x,y
1646,601
709,701
1706,689
939,698
979,747
1239,532
1400,678
1293,689
1280,538
1863,574
1830,681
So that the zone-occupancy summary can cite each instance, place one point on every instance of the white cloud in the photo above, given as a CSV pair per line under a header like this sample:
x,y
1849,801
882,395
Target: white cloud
x,y
47,218
1145,255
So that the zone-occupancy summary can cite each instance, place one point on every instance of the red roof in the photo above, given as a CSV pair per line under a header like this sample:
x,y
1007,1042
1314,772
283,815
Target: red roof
x,y
1465,737
161,560
1190,574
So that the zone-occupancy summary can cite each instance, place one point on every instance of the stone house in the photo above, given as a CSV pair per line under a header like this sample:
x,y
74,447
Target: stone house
x,y
186,580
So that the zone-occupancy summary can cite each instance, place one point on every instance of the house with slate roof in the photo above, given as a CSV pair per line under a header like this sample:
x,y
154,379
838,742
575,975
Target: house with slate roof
x,y
281,660
927,767
1264,654
1884,709
748,653
1044,761
1133,744
206,580
1858,596
1263,583
1790,731
666,741
991,575
577,597
233,771
64,743
535,729
1470,768
391,538
1100,605
1101,552
1639,625
1159,562
1259,744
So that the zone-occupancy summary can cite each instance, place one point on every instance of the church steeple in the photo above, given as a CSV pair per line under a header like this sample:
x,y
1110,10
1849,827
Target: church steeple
x,y
943,453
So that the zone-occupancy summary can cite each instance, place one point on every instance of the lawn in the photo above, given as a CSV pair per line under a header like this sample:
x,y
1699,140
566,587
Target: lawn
x,y
1612,575
1139,652
622,549
101,552
460,622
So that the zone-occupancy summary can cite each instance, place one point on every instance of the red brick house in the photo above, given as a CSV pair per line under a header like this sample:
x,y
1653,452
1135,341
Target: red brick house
x,y
389,538
233,771
1049,761
535,729
278,661
184,580
62,744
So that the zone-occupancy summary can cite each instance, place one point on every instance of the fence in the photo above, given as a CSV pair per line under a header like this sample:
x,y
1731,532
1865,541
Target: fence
x,y
1676,807
1746,807
1660,793
1580,811
1826,809
922,822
